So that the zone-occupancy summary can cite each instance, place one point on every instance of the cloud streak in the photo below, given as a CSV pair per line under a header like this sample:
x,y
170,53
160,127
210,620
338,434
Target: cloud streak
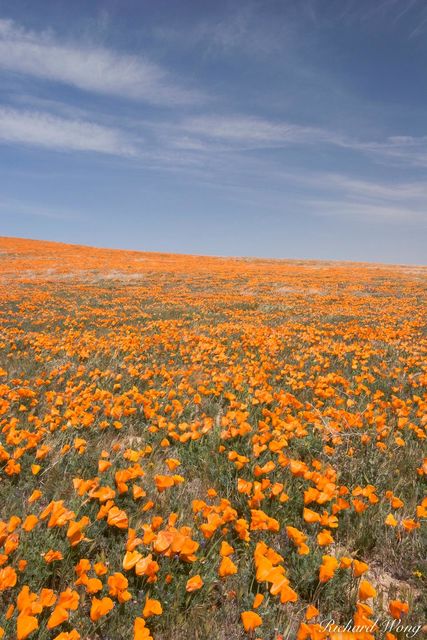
x,y
252,132
94,69
34,128
367,210
245,132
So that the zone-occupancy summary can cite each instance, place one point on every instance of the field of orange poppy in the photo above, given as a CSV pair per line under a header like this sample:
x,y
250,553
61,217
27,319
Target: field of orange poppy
x,y
210,448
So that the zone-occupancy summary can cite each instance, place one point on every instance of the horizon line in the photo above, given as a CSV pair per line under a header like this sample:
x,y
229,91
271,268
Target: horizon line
x,y
217,256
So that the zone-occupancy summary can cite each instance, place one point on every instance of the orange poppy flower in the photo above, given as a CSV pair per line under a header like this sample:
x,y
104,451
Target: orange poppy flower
x,y
310,516
68,635
286,593
118,584
324,538
250,620
345,562
398,608
225,549
75,530
93,585
100,568
258,600
152,607
366,590
148,567
83,566
35,496
163,482
8,578
117,518
138,492
51,556
69,599
391,520
140,631
25,625
359,568
194,583
311,612
410,525
327,568
130,559
100,608
103,465
47,598
227,567
57,617
30,522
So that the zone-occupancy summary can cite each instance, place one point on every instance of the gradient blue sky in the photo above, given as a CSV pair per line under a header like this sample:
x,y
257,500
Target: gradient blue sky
x,y
291,129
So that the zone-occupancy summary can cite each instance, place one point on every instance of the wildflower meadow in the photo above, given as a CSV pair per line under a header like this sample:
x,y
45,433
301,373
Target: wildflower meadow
x,y
210,448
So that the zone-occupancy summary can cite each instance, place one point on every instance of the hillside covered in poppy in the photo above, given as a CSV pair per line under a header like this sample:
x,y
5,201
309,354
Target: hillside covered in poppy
x,y
195,447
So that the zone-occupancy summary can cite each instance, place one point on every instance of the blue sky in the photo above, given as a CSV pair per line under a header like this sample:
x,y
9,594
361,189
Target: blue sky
x,y
262,128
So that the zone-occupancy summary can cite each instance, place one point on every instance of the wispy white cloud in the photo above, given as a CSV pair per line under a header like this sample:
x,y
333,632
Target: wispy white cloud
x,y
34,128
414,192
398,149
94,69
35,102
247,131
366,210
104,71
334,194
411,192
264,183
